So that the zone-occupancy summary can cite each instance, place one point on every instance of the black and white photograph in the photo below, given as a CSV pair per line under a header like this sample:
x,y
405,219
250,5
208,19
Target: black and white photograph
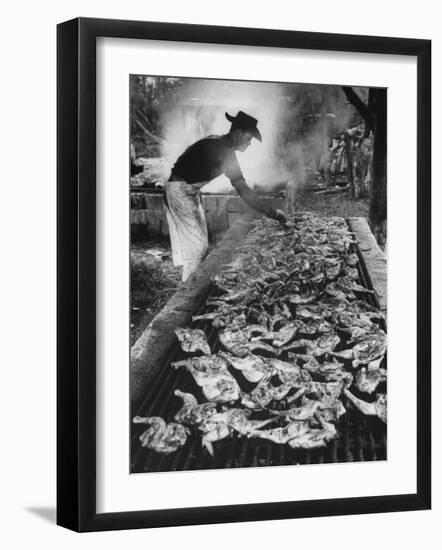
x,y
258,273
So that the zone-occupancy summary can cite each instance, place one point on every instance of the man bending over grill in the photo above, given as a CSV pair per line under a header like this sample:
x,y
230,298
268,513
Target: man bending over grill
x,y
200,163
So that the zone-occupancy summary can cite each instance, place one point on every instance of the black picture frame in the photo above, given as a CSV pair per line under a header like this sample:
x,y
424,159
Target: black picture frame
x,y
76,273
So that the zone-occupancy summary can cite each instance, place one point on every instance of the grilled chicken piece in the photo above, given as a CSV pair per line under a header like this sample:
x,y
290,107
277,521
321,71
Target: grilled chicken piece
x,y
329,372
283,435
314,312
191,413
324,344
204,368
162,437
253,367
215,429
377,408
364,352
212,375
192,340
304,412
330,409
265,392
288,373
319,390
282,336
315,327
314,438
221,425
337,291
222,390
367,379
346,283
239,342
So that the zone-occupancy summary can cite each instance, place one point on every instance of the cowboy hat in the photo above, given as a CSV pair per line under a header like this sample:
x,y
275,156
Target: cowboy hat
x,y
245,122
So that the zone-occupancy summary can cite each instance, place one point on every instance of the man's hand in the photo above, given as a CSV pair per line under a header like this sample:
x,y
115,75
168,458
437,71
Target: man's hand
x,y
279,216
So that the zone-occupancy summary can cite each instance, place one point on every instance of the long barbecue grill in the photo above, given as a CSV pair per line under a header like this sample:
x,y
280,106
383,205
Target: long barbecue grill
x,y
361,438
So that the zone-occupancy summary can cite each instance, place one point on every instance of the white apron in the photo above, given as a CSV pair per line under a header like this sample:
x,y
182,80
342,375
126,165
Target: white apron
x,y
187,225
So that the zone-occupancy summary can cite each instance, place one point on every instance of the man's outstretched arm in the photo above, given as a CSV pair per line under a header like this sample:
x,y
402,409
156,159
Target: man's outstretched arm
x,y
254,201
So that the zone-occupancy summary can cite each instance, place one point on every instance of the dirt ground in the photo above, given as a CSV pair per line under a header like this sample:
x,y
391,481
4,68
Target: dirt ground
x,y
154,280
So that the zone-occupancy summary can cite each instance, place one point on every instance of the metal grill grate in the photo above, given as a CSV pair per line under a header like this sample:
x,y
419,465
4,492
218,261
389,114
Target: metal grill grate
x,y
360,438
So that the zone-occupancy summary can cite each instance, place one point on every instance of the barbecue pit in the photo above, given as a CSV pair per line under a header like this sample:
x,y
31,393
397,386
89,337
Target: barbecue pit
x,y
153,381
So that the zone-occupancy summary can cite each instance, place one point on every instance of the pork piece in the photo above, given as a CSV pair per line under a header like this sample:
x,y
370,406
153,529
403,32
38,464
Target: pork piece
x,y
334,305
351,273
192,413
265,392
315,437
161,437
368,378
283,435
192,340
212,375
324,344
377,408
366,351
281,314
239,342
253,367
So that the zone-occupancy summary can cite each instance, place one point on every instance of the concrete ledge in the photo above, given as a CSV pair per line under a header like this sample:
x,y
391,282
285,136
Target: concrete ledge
x,y
151,349
374,259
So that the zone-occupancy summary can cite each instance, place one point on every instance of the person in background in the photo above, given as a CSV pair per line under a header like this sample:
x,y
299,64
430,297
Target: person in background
x,y
199,164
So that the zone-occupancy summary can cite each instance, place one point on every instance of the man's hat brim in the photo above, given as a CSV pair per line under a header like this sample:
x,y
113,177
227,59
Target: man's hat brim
x,y
245,122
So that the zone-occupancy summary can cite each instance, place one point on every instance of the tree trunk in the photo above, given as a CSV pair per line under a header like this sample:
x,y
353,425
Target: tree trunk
x,y
378,195
350,173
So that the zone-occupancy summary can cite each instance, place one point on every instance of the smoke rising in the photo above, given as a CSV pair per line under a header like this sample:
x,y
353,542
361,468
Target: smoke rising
x,y
296,122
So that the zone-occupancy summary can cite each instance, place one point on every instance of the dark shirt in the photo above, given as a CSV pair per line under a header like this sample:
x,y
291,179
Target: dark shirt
x,y
208,158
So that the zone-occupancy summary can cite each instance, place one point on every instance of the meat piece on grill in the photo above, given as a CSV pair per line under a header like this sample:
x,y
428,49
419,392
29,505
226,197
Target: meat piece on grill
x,y
204,368
162,437
283,435
265,392
288,373
315,437
303,412
313,312
324,344
370,349
215,429
212,375
253,367
192,340
282,336
377,408
192,413
367,379
239,341
319,390
329,372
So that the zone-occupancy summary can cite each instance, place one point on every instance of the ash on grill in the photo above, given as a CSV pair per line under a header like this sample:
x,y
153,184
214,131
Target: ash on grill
x,y
360,437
